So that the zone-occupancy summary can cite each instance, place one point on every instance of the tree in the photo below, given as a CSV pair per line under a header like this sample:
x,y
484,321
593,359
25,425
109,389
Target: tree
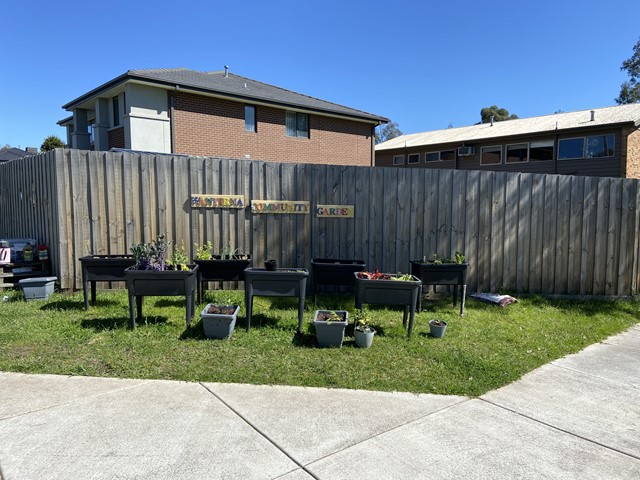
x,y
498,114
50,143
387,132
630,90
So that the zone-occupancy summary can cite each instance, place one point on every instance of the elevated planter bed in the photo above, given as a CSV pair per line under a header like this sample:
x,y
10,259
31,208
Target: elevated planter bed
x,y
282,282
141,283
442,274
334,272
221,270
390,292
102,268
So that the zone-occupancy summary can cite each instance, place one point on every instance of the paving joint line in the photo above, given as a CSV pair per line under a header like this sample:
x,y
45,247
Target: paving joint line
x,y
259,431
573,370
568,432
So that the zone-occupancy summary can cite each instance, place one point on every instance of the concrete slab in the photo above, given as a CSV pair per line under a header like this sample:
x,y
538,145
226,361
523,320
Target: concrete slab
x,y
603,411
476,440
612,362
628,339
157,429
310,423
22,393
297,475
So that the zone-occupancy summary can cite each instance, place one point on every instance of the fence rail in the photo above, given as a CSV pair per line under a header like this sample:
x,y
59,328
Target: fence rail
x,y
520,232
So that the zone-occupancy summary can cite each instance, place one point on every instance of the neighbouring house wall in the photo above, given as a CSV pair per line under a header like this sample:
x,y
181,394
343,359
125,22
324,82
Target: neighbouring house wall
x,y
116,137
631,152
215,127
147,119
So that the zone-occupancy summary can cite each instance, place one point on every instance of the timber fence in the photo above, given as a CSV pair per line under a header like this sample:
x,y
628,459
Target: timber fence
x,y
520,232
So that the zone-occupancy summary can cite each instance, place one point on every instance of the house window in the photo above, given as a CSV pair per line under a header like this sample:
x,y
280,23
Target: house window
x,y
398,159
448,155
600,146
517,153
249,118
297,125
432,157
491,155
541,151
116,111
413,158
571,148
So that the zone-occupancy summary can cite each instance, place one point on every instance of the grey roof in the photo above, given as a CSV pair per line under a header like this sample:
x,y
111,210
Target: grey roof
x,y
621,114
7,154
229,85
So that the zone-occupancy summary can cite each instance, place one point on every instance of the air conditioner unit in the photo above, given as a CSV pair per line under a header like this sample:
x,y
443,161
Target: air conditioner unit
x,y
466,151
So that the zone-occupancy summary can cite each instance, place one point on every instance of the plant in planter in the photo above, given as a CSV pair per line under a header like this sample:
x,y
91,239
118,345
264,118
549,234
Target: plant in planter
x,y
330,325
437,328
219,320
154,275
363,331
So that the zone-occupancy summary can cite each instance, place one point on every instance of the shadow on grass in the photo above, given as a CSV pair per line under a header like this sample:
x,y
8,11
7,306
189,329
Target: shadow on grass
x,y
195,332
100,324
100,302
64,305
305,340
171,302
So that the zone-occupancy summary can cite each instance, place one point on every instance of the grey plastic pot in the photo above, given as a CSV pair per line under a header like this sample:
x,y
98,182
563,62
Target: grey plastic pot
x,y
364,339
437,331
218,325
330,334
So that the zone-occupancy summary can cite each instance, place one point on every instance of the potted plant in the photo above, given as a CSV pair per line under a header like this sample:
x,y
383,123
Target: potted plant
x,y
226,266
443,271
437,328
330,325
363,331
389,289
219,320
154,274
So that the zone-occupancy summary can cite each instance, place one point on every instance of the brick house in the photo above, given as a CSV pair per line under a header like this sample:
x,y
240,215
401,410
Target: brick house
x,y
602,142
218,114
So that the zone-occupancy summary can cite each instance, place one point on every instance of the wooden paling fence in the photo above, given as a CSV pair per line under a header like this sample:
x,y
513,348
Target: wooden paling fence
x,y
520,232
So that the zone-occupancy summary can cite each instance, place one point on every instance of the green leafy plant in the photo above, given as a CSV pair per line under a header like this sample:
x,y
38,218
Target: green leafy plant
x,y
228,252
362,320
151,256
179,258
457,258
203,252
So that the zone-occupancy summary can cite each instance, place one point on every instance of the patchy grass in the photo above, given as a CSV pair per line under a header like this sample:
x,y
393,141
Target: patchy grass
x,y
488,348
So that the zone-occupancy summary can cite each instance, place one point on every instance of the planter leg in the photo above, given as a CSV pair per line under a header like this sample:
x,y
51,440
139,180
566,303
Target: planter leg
x,y
249,306
411,320
132,312
420,293
85,286
404,316
139,301
464,294
300,311
189,309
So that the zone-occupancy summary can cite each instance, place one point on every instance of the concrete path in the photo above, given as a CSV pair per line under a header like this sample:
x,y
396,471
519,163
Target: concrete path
x,y
576,418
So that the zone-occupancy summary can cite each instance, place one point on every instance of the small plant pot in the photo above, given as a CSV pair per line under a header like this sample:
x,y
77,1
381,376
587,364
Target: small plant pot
x,y
270,265
330,334
364,339
437,331
219,325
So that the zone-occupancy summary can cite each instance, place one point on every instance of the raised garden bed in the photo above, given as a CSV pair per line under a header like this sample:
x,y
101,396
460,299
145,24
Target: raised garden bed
x,y
102,268
221,269
333,271
442,274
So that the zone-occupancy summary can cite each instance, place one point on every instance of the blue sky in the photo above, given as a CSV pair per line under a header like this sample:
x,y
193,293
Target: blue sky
x,y
423,64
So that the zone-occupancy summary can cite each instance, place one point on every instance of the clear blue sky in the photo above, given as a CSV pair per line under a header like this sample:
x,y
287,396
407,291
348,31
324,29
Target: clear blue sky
x,y
423,64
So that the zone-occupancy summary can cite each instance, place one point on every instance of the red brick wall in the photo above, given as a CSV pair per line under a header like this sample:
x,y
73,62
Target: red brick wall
x,y
215,127
116,137
630,152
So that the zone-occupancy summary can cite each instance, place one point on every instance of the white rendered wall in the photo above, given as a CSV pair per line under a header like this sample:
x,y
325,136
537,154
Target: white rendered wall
x,y
147,118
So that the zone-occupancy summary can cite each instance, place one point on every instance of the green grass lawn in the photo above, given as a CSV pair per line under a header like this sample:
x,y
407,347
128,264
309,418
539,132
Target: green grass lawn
x,y
487,348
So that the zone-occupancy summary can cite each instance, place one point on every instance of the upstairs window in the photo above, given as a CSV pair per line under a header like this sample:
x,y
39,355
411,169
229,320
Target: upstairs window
x,y
250,118
297,125
600,146
541,151
517,153
571,148
116,111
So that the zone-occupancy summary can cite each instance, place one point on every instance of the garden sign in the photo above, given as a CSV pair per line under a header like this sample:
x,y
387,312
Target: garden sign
x,y
216,201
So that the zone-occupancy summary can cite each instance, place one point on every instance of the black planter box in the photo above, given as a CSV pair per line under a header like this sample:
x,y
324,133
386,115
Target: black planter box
x,y
333,271
283,282
221,270
102,268
390,292
141,283
443,274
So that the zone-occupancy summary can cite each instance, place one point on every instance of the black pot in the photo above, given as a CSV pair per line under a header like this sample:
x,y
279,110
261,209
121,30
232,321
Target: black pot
x,y
270,265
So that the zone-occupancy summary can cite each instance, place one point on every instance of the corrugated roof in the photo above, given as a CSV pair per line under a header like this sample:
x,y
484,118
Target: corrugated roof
x,y
523,126
229,85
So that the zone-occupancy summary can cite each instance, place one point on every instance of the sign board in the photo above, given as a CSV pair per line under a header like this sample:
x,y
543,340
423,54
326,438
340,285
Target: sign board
x,y
5,255
279,206
334,211
199,200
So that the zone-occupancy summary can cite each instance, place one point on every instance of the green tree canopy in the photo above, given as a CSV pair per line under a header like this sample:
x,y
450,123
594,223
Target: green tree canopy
x,y
387,132
498,114
50,143
630,90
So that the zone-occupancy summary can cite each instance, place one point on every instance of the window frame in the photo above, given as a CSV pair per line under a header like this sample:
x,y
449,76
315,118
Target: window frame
x,y
506,153
538,144
606,144
584,141
432,161
482,150
298,115
409,162
115,107
253,127
395,160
